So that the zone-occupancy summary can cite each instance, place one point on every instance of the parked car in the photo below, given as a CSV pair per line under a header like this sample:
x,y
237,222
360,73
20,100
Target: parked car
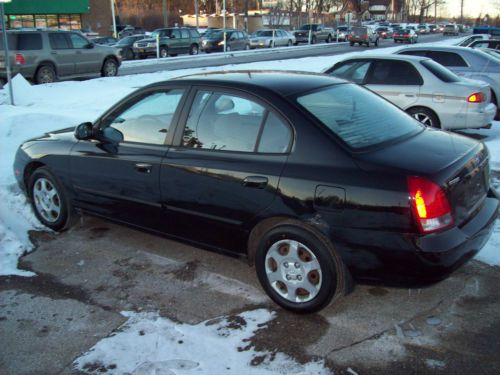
x,y
405,35
384,32
423,29
311,187
487,43
268,38
362,35
235,40
45,56
468,40
126,45
172,41
465,62
433,28
313,33
342,32
450,29
104,40
131,30
423,88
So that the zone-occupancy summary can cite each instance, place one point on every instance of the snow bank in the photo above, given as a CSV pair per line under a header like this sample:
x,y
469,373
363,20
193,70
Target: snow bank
x,y
148,344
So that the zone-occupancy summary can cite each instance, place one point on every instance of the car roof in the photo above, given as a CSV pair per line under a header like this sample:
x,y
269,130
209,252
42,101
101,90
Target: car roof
x,y
438,48
365,56
284,83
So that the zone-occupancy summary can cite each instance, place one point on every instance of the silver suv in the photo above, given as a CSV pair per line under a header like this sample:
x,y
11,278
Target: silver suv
x,y
45,56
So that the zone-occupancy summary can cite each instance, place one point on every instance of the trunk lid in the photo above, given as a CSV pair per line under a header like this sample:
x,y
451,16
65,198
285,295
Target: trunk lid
x,y
459,165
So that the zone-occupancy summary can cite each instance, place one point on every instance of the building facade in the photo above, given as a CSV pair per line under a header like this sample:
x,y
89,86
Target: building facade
x,y
91,15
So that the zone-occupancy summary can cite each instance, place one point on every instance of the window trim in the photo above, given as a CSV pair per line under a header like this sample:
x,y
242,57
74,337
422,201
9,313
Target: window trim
x,y
369,73
134,98
182,120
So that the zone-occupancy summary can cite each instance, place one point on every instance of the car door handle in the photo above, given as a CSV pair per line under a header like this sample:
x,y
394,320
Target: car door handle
x,y
53,52
410,95
143,167
257,182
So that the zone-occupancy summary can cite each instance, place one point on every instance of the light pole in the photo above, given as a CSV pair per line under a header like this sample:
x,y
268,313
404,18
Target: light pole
x,y
114,18
224,23
6,49
196,14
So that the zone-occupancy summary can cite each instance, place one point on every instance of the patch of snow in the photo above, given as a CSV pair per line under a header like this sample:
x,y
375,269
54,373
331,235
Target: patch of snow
x,y
150,344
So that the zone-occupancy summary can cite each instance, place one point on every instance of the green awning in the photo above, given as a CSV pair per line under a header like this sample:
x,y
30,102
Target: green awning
x,y
47,6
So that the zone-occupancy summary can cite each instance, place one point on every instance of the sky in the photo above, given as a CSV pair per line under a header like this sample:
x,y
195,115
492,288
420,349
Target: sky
x,y
473,8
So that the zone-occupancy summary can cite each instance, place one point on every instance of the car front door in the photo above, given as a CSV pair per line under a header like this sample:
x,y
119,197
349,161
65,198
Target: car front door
x,y
397,81
62,53
122,180
225,167
185,41
88,59
175,44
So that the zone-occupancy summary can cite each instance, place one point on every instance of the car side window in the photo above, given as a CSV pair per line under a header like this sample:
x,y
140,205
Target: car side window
x,y
275,137
447,58
415,53
354,71
185,34
175,34
58,41
78,41
388,72
219,121
194,33
148,120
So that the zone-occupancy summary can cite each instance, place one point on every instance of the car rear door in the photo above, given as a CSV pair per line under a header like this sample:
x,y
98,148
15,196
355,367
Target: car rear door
x,y
62,53
175,43
225,166
397,81
122,180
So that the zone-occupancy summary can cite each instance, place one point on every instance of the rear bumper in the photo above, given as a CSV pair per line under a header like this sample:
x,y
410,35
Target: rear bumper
x,y
412,260
468,117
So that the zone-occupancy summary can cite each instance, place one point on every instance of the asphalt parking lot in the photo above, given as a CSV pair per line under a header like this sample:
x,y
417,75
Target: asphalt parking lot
x,y
89,274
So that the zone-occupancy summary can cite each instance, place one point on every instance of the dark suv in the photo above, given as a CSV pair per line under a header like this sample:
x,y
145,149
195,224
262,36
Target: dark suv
x,y
48,55
173,40
316,32
363,35
236,40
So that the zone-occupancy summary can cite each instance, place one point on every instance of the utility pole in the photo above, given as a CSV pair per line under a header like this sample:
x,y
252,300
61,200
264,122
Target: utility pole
x,y
462,11
115,35
435,12
6,48
165,13
196,13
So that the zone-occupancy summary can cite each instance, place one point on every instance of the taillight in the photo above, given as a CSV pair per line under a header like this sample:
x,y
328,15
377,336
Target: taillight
x,y
477,97
406,35
429,205
20,60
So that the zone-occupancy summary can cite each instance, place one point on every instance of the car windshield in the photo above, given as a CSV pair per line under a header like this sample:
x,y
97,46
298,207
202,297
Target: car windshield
x,y
263,33
219,34
347,111
127,40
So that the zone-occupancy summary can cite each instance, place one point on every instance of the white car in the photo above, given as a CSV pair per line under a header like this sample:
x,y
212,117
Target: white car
x,y
423,88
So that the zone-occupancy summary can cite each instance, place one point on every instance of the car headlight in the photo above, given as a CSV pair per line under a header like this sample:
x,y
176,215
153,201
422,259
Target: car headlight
x,y
221,43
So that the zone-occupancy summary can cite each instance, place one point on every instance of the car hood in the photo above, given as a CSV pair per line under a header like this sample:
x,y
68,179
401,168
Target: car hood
x,y
67,134
426,153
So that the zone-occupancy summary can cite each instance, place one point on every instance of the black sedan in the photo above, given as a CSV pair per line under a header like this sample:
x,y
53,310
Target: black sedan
x,y
292,171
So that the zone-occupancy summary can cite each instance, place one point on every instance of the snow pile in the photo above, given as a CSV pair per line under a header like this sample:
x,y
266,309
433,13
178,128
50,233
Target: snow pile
x,y
148,344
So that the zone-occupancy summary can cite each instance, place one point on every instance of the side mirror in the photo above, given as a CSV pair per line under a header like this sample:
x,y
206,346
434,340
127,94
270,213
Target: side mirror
x,y
89,46
111,135
84,131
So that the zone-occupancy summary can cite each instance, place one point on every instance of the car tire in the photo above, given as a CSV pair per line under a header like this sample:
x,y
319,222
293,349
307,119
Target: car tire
x,y
272,44
425,116
298,268
194,50
351,44
45,74
247,47
368,44
49,200
376,43
289,43
329,39
163,52
109,68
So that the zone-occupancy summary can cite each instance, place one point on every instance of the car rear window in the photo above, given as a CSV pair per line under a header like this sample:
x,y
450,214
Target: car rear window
x,y
347,111
440,71
23,41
